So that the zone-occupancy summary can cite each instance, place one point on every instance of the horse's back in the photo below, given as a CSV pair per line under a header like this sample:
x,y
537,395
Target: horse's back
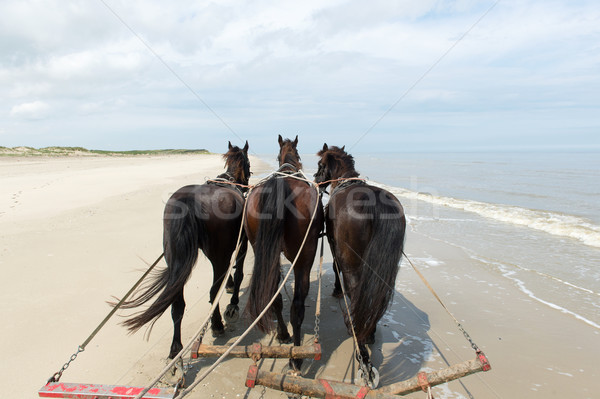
x,y
296,211
215,210
305,199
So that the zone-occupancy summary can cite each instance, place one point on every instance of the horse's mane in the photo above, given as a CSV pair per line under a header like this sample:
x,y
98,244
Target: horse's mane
x,y
234,157
342,158
237,161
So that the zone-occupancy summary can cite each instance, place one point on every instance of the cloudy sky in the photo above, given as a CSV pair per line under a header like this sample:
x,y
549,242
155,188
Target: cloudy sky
x,y
376,76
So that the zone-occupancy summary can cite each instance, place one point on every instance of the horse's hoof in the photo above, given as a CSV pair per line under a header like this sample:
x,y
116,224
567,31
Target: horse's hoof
x,y
232,313
285,339
372,381
175,376
218,331
289,370
337,293
175,349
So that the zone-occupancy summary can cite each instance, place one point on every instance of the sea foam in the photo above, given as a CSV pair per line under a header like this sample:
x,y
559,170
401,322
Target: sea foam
x,y
550,222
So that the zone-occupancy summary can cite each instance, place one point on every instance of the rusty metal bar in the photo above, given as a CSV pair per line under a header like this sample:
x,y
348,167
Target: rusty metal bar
x,y
95,391
257,351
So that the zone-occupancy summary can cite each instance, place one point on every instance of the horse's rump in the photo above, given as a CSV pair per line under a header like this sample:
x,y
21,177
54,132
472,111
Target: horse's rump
x,y
265,220
369,227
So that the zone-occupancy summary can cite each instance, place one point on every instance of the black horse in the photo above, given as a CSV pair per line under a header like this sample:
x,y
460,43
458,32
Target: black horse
x,y
208,217
278,214
365,228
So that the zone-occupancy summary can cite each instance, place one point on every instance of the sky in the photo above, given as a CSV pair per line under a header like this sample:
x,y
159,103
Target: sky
x,y
375,76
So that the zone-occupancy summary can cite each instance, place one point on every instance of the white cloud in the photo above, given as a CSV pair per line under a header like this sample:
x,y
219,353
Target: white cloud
x,y
336,66
30,110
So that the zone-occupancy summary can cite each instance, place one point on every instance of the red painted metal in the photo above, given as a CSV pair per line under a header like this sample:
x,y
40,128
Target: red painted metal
x,y
485,363
423,383
256,351
96,391
195,346
362,393
330,393
251,377
318,351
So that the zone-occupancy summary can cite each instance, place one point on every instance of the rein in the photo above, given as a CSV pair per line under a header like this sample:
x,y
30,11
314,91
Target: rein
x,y
224,182
227,179
345,182
268,306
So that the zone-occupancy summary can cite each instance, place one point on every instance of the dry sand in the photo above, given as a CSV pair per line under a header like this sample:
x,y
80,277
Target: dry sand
x,y
73,230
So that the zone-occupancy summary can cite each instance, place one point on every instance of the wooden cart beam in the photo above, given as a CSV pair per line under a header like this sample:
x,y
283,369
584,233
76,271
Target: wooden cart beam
x,y
257,351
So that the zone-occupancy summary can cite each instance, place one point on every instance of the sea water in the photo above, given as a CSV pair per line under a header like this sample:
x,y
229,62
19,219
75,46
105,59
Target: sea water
x,y
532,218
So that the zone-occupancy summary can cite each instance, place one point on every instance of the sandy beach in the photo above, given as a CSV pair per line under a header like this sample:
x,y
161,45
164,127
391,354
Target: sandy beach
x,y
75,231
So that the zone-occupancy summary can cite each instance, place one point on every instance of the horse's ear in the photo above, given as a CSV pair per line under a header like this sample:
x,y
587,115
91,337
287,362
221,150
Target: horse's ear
x,y
343,147
325,148
246,147
280,140
296,141
230,146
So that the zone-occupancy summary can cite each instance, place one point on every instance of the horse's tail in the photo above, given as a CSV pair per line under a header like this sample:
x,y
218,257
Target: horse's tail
x,y
379,267
267,250
183,234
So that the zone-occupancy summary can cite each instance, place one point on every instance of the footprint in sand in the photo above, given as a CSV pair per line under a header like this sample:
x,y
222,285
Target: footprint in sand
x,y
15,197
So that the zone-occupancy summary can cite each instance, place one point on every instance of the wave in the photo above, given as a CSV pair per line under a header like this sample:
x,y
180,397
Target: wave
x,y
510,274
550,222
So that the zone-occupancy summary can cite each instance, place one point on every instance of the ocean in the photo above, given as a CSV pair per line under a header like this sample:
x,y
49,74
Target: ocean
x,y
532,218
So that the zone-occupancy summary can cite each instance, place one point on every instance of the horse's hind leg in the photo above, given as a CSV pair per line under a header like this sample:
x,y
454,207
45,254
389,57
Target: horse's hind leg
x,y
177,309
230,287
283,335
302,283
337,288
219,271
232,313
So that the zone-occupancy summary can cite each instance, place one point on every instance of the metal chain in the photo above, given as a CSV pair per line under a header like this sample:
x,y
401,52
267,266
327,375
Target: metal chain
x,y
58,374
203,332
468,337
320,279
317,321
